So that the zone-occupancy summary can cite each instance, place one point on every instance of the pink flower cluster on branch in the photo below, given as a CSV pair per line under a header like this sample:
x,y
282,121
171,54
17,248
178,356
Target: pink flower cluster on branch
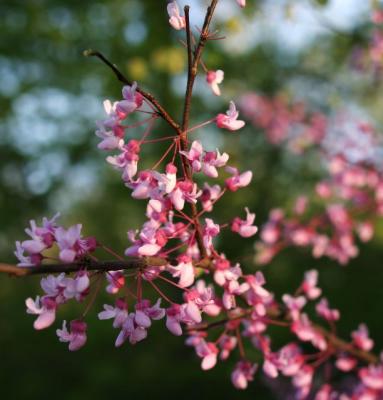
x,y
178,247
340,210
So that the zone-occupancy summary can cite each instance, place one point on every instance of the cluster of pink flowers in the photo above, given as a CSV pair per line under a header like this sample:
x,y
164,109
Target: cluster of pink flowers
x,y
369,59
71,245
178,246
342,206
284,122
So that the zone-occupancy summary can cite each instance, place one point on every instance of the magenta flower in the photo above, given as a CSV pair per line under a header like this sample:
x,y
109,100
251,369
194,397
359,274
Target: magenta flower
x,y
116,281
361,338
245,228
76,337
238,180
230,120
243,373
176,20
214,78
132,101
45,309
209,232
208,351
309,285
241,3
119,313
184,271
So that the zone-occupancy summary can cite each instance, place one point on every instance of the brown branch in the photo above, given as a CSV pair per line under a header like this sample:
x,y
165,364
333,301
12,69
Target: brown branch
x,y
192,73
90,265
122,78
334,341
129,263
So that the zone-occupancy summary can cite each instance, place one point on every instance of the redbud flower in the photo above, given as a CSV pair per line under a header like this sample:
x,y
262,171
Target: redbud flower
x,y
243,373
309,285
229,120
119,313
208,351
361,339
71,243
210,230
242,3
77,335
238,180
214,78
372,377
116,281
245,228
176,20
132,100
184,271
45,309
323,309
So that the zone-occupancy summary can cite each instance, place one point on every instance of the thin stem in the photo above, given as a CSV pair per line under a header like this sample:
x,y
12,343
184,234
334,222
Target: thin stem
x,y
121,77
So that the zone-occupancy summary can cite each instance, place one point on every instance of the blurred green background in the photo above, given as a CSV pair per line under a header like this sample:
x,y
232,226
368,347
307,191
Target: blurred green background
x,y
50,97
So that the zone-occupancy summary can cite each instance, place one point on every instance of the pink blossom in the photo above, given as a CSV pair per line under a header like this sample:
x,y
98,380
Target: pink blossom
x,y
304,330
116,280
245,228
209,232
132,100
213,160
289,359
361,338
243,373
209,195
166,182
71,243
45,309
365,231
132,330
241,3
77,287
194,155
323,309
174,317
377,17
346,363
176,20
26,261
230,119
184,271
372,377
208,351
214,78
309,285
184,191
119,313
76,336
303,380
110,130
294,304
127,160
227,344
238,181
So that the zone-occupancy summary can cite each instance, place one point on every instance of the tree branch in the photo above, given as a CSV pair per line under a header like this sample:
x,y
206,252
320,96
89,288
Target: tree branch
x,y
90,265
122,78
333,340
192,73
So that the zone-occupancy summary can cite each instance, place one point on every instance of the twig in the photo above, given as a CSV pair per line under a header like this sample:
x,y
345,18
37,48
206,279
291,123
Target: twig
x,y
333,340
122,78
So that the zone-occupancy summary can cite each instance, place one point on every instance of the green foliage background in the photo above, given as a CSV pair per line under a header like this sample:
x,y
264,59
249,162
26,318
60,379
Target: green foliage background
x,y
50,97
